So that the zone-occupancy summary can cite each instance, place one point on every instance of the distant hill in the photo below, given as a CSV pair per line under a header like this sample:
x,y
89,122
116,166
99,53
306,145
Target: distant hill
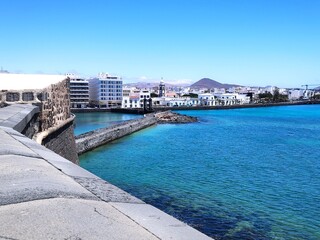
x,y
209,83
142,85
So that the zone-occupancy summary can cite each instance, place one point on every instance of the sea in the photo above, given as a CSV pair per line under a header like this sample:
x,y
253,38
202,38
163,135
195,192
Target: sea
x,y
249,173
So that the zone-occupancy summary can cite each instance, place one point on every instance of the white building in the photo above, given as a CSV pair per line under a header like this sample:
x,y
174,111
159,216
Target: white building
x,y
175,102
299,94
134,98
207,99
224,99
106,90
243,99
79,91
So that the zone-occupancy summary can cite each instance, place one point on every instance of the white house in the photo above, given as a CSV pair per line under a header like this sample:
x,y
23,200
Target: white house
x,y
226,98
175,102
207,99
134,98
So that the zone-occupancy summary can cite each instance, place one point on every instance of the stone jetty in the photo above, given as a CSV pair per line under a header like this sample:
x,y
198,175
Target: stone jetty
x,y
91,140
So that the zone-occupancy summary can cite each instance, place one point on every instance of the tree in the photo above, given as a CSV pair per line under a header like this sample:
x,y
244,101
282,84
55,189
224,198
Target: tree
x,y
276,95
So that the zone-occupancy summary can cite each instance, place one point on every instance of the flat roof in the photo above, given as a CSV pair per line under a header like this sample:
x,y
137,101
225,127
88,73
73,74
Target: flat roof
x,y
12,81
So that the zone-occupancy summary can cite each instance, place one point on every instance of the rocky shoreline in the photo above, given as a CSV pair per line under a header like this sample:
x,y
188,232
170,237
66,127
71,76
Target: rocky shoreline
x,y
172,117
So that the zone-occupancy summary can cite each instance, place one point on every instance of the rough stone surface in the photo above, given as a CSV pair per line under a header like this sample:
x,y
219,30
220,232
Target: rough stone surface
x,y
63,143
171,117
71,219
106,191
55,105
93,139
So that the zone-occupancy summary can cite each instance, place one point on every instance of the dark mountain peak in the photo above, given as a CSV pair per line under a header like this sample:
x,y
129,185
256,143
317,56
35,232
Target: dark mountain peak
x,y
210,83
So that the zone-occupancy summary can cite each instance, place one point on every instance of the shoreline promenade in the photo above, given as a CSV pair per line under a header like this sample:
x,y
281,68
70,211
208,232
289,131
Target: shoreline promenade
x,y
45,196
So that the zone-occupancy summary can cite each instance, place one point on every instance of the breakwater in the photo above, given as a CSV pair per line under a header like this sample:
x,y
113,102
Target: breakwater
x,y
88,141
96,138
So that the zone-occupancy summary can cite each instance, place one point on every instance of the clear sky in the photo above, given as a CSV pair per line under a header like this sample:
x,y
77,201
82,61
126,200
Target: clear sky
x,y
247,42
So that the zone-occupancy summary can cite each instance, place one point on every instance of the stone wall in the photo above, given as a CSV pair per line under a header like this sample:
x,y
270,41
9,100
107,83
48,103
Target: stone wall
x,y
63,143
55,107
93,139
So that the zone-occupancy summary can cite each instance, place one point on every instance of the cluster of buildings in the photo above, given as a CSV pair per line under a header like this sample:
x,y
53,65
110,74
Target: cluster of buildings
x,y
107,91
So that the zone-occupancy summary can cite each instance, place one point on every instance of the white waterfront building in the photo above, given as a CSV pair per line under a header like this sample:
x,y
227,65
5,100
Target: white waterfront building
x,y
175,102
207,99
79,91
106,90
224,99
299,94
134,98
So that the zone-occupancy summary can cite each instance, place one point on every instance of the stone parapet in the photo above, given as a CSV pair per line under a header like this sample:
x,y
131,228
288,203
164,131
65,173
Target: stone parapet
x,y
18,116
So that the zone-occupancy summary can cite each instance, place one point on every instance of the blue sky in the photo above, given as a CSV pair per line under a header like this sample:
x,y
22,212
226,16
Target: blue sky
x,y
248,42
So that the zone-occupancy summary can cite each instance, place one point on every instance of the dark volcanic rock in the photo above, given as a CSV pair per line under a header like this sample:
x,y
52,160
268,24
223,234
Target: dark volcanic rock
x,y
171,117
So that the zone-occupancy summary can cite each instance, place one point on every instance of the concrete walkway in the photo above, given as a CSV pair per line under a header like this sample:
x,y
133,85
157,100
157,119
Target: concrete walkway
x,y
44,196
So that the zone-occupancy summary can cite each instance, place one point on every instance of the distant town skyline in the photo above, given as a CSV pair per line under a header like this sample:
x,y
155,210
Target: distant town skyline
x,y
248,42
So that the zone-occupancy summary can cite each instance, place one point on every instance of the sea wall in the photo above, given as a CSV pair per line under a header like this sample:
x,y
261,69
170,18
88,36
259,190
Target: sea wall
x,y
62,142
93,139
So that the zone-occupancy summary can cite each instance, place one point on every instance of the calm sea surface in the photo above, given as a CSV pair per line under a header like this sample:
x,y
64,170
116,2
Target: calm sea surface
x,y
237,174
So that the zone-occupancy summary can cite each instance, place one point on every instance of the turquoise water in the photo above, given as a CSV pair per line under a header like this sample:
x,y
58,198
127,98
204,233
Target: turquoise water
x,y
237,174
86,122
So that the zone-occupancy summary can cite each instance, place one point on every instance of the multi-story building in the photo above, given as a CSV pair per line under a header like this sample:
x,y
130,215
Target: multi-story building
x,y
79,92
106,90
134,98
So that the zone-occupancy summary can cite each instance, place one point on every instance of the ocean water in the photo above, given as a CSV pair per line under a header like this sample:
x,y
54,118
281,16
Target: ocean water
x,y
237,174
86,122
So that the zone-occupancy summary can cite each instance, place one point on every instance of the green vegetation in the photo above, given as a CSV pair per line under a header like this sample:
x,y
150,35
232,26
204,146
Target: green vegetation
x,y
275,97
192,95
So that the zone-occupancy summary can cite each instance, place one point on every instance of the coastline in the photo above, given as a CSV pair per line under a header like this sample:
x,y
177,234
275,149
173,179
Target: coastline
x,y
157,109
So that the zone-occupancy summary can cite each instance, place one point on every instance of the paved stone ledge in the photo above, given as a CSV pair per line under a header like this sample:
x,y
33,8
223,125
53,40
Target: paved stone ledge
x,y
71,219
17,116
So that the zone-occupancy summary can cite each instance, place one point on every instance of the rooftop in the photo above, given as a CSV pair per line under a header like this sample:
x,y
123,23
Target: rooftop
x,y
11,81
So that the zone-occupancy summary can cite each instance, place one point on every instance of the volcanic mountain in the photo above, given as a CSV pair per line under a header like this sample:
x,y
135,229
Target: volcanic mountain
x,y
209,83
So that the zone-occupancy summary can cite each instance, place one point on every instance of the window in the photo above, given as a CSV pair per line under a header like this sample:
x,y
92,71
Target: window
x,y
27,96
12,97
